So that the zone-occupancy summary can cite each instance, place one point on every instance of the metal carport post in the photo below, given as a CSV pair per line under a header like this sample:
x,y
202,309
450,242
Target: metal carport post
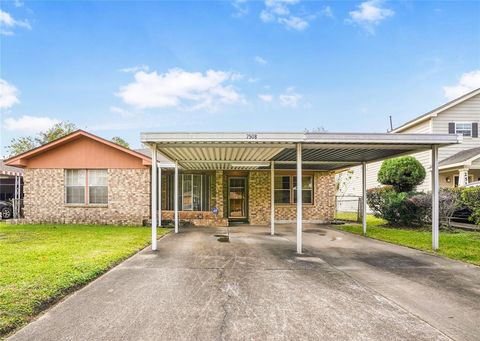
x,y
299,198
154,197
175,196
272,198
364,198
435,199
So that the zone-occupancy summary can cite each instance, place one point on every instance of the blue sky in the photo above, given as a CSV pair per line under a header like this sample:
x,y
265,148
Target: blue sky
x,y
119,68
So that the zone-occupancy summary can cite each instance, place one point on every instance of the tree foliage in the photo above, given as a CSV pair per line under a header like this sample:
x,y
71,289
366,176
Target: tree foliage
x,y
21,145
26,143
403,173
55,132
118,140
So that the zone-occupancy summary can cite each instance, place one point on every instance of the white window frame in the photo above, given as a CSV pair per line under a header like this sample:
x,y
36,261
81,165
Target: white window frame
x,y
86,200
471,128
292,190
88,185
84,185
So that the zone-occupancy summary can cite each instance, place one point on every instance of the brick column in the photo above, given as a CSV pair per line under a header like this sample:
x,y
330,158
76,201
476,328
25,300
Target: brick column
x,y
219,193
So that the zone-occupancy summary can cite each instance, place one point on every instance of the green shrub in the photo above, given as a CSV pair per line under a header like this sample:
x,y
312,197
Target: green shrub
x,y
392,206
471,199
422,204
403,173
449,201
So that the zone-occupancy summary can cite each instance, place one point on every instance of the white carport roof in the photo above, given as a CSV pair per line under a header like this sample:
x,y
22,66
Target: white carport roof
x,y
320,151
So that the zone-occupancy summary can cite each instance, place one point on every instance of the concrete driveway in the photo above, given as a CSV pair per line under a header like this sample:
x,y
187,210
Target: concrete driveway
x,y
255,287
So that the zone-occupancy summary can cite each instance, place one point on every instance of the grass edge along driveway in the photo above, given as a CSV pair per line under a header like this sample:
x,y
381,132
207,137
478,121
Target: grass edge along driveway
x,y
458,244
41,264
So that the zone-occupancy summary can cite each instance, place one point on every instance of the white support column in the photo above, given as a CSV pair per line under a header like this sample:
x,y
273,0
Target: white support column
x,y
175,197
272,198
463,177
159,196
299,198
364,198
154,197
435,199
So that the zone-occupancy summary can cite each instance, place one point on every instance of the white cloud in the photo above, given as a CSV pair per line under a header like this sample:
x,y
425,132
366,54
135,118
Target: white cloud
x,y
266,16
295,23
181,89
327,11
266,98
241,8
280,11
369,14
135,68
29,124
8,23
8,95
260,60
121,112
468,81
290,98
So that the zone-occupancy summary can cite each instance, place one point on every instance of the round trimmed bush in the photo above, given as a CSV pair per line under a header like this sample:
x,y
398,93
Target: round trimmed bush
x,y
403,173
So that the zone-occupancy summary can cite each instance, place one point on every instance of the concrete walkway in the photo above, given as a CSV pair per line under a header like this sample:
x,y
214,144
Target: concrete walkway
x,y
255,287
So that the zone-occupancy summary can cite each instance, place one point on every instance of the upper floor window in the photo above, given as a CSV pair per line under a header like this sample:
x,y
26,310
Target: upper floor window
x,y
464,129
86,186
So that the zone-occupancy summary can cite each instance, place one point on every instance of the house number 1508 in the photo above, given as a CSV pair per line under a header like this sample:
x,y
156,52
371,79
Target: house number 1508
x,y
251,136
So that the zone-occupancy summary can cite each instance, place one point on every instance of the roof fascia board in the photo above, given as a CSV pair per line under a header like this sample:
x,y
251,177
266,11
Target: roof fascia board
x,y
164,140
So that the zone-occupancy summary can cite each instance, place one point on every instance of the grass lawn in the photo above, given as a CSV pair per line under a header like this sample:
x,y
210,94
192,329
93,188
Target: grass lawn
x,y
40,264
460,245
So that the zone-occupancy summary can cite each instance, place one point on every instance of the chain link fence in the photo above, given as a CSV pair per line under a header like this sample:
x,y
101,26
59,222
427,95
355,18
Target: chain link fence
x,y
348,208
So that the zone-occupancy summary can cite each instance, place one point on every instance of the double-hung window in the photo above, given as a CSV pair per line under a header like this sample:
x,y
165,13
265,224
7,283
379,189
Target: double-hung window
x,y
75,181
283,189
464,129
307,190
97,186
286,189
86,186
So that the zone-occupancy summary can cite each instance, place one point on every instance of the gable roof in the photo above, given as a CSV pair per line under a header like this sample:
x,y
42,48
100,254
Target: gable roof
x,y
20,159
436,111
464,156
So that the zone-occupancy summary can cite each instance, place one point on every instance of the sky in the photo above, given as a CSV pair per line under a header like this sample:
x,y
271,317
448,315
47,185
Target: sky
x,y
118,68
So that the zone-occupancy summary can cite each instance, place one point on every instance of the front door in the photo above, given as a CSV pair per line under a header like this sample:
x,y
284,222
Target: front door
x,y
237,198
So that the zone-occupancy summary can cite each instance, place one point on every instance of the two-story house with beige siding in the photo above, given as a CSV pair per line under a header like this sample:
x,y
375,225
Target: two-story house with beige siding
x,y
459,164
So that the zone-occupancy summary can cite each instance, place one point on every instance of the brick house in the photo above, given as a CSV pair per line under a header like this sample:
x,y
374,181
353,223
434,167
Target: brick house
x,y
82,178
